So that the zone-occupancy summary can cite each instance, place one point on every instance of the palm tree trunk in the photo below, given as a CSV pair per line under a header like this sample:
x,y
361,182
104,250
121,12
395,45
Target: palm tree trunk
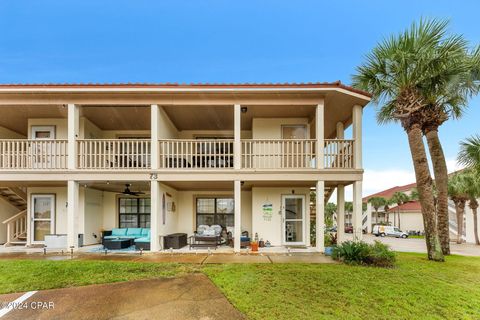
x,y
425,191
473,203
441,181
459,228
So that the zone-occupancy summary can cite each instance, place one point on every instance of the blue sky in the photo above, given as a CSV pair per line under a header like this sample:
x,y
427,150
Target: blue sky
x,y
227,41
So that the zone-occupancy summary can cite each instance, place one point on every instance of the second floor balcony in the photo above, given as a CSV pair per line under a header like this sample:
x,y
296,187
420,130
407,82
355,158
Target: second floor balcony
x,y
178,154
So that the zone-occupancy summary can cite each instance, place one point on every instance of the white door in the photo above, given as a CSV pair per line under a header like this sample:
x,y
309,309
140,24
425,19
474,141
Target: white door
x,y
41,150
42,216
293,218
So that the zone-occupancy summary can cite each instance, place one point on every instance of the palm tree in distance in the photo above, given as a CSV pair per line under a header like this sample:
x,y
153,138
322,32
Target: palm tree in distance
x,y
377,203
405,73
457,190
399,198
472,189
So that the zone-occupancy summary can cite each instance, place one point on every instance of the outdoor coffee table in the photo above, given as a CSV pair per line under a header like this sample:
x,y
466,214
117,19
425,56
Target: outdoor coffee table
x,y
116,244
204,241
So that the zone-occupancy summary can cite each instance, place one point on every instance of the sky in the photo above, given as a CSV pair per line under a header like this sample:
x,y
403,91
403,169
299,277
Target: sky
x,y
229,41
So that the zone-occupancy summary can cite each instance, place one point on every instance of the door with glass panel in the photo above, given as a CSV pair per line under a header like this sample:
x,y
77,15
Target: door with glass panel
x,y
41,150
293,218
42,216
295,150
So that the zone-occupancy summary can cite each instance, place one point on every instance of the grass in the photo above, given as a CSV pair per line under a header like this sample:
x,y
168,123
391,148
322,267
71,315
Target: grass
x,y
416,237
415,289
26,275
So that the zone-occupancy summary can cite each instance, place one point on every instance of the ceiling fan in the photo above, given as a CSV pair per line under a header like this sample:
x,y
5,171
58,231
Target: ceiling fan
x,y
127,191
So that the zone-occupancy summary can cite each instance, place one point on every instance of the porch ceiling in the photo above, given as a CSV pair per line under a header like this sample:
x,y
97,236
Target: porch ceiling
x,y
15,118
118,117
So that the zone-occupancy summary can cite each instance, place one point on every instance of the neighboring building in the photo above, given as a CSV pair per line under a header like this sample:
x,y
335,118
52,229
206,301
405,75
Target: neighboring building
x,y
409,213
408,216
77,159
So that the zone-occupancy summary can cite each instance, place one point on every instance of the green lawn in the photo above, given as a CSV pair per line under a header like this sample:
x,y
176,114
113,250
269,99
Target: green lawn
x,y
416,237
26,275
416,289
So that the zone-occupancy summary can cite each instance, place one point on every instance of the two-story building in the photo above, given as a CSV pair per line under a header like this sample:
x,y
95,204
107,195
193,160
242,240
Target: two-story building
x,y
77,159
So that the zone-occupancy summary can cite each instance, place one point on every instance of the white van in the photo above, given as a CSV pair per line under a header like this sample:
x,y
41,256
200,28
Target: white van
x,y
388,231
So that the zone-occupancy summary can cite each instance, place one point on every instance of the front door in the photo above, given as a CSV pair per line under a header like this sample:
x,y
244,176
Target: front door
x,y
41,150
293,217
42,216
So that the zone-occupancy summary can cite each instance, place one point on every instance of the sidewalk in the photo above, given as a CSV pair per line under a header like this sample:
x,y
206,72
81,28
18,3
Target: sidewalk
x,y
160,257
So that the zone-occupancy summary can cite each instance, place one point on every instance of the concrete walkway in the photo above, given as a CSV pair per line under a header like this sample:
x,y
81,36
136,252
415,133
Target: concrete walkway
x,y
190,297
178,257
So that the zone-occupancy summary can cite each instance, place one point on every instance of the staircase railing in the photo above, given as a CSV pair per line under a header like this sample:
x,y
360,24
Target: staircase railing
x,y
16,226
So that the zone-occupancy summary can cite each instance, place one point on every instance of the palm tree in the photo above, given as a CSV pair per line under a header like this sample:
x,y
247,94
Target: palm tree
x,y
457,191
469,154
399,198
472,189
377,203
449,99
402,73
330,209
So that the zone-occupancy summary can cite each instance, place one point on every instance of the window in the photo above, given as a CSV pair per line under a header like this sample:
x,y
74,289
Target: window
x,y
134,212
215,211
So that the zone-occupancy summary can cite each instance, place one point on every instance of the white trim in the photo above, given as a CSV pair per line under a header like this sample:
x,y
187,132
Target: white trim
x,y
32,215
294,196
87,90
35,129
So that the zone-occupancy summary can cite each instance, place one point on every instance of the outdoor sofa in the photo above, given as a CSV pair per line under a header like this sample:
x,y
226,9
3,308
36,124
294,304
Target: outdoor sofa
x,y
140,236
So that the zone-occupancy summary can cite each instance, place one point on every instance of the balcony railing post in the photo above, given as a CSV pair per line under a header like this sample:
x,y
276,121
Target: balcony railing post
x,y
237,147
73,127
319,120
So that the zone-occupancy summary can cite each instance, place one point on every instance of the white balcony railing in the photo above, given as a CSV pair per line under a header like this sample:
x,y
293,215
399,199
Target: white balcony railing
x,y
278,154
33,154
338,154
193,153
114,154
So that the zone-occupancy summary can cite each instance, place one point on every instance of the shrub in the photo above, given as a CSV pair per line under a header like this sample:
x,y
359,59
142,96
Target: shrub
x,y
361,253
381,255
330,239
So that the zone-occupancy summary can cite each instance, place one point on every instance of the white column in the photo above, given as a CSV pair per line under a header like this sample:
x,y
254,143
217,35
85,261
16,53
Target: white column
x,y
73,130
238,215
369,217
73,192
320,215
340,130
154,119
357,210
155,209
340,213
319,149
357,135
237,144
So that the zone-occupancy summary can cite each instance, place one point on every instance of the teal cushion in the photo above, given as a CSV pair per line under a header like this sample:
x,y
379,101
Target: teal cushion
x,y
144,239
145,232
110,237
134,231
126,237
119,232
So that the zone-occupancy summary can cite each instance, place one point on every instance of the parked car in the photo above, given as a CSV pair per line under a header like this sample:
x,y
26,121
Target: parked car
x,y
332,229
349,229
389,231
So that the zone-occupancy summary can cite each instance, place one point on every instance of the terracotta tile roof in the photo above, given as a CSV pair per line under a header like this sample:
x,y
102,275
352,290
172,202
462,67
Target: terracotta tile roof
x,y
389,192
336,84
408,206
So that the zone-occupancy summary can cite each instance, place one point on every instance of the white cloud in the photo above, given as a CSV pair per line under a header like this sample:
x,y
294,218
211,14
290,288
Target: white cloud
x,y
452,165
379,180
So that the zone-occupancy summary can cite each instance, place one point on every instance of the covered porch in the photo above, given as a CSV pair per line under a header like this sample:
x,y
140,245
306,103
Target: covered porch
x,y
277,215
